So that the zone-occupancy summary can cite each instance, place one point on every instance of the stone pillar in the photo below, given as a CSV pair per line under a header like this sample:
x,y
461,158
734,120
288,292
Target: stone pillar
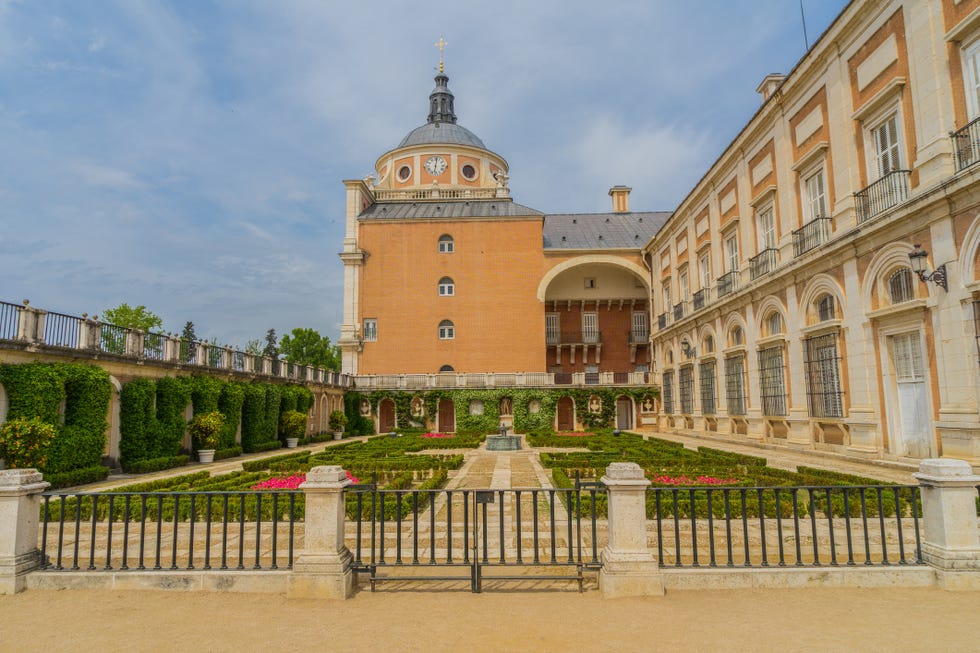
x,y
201,350
629,567
135,343
20,505
949,521
322,569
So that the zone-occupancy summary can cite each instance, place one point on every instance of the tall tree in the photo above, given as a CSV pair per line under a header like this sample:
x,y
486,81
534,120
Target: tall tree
x,y
271,350
187,340
130,317
253,347
308,347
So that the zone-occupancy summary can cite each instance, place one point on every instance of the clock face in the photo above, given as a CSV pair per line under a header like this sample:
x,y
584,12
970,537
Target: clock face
x,y
435,165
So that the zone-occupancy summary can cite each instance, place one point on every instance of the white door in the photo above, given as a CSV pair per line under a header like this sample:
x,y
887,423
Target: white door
x,y
913,405
590,327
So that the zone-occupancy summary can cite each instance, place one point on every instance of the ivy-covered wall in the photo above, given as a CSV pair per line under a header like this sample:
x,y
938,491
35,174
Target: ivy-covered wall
x,y
525,420
70,396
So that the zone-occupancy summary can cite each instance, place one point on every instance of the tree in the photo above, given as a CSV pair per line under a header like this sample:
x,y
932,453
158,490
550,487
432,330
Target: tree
x,y
129,317
187,340
253,347
271,350
308,347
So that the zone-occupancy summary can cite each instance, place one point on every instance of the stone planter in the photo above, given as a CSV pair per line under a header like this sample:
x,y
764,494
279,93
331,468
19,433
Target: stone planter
x,y
291,443
338,435
205,455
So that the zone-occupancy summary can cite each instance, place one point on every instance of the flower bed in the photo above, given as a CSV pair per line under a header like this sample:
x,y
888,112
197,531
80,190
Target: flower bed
x,y
291,482
437,435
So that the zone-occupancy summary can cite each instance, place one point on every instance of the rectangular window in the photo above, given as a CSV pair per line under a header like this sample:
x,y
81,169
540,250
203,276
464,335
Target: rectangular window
x,y
704,267
816,202
885,140
685,286
640,329
706,375
976,324
767,230
668,392
823,386
971,75
590,282
590,327
551,332
686,387
370,329
731,252
772,378
735,385
667,304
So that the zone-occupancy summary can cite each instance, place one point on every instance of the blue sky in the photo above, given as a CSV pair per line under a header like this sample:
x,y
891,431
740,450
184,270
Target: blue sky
x,y
189,155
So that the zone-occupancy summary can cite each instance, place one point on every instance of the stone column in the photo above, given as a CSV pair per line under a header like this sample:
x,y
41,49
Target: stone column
x,y
322,569
629,567
949,521
20,504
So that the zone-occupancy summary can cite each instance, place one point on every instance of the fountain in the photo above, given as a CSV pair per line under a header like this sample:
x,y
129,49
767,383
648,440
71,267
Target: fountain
x,y
502,441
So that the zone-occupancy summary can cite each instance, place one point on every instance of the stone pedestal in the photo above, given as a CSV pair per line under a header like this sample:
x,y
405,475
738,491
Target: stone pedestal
x,y
629,567
949,521
322,569
20,504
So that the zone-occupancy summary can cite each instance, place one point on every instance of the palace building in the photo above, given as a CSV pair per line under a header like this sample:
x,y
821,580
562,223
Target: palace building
x,y
819,288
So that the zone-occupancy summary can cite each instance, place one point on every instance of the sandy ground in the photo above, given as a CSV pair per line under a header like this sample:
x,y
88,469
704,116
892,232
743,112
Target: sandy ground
x,y
498,620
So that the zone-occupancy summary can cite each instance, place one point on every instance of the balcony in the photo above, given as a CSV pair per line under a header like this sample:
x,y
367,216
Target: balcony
x,y
663,320
638,337
498,380
702,298
679,311
811,235
573,338
891,190
727,283
764,263
966,145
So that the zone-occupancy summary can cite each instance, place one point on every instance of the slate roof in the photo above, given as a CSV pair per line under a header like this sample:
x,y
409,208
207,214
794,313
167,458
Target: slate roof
x,y
602,230
442,132
454,209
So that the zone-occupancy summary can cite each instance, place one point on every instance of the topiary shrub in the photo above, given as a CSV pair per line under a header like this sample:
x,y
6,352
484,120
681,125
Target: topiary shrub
x,y
24,442
292,424
205,430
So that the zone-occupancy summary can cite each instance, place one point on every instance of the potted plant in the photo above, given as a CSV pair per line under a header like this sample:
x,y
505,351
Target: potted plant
x,y
337,421
292,425
205,430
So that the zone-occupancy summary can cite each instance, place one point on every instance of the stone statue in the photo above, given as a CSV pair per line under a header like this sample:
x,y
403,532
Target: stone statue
x,y
594,404
506,406
365,407
418,408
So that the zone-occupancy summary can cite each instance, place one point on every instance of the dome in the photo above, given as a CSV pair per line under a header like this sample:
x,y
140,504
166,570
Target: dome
x,y
442,132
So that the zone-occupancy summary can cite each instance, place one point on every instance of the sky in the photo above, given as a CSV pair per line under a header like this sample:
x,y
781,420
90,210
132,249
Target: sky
x,y
189,156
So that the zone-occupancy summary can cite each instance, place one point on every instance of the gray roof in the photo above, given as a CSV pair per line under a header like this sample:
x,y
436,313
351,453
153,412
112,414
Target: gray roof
x,y
442,132
602,230
454,209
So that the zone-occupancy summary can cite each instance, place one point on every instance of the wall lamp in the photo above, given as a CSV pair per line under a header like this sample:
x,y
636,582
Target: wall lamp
x,y
687,349
920,266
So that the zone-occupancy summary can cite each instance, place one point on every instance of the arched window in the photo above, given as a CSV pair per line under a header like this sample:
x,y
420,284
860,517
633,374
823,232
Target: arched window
x,y
446,330
446,368
446,244
774,323
709,345
826,308
901,287
446,287
737,336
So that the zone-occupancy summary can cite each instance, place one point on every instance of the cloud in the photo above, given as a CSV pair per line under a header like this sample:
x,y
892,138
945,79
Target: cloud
x,y
97,43
97,175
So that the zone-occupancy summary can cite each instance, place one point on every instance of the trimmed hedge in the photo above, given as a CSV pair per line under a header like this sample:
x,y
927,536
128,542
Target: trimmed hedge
x,y
155,464
77,477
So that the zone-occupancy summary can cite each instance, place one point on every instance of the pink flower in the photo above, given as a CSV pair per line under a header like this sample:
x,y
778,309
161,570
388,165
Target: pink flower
x,y
663,479
574,434
437,435
291,482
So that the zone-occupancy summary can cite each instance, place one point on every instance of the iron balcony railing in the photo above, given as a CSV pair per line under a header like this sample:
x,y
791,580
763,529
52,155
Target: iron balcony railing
x,y
679,311
763,263
891,190
966,144
573,338
727,283
663,320
9,321
812,526
136,531
702,298
814,233
637,337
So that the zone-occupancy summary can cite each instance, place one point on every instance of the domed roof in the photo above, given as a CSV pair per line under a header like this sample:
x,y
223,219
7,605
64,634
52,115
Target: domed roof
x,y
442,132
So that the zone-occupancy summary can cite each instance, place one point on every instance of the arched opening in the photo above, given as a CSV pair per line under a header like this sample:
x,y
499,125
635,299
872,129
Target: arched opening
x,y
386,416
447,330
446,244
565,414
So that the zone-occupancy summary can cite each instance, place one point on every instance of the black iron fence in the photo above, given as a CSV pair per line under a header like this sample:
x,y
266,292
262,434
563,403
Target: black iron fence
x,y
779,526
702,298
811,235
9,322
966,144
889,191
763,263
62,330
169,530
727,283
678,311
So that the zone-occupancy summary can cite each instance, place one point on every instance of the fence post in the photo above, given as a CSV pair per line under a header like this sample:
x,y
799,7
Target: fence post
x,y
30,325
949,521
322,569
20,502
629,567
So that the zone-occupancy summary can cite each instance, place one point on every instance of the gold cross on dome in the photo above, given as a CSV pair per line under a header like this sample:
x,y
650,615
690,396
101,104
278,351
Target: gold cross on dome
x,y
441,43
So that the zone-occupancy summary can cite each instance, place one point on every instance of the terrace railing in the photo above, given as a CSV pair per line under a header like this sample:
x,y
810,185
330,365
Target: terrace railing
x,y
966,144
727,283
702,298
497,380
891,190
679,311
27,326
814,233
763,263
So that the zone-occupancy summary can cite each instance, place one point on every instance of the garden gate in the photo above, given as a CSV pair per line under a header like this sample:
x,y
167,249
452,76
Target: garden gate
x,y
473,535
